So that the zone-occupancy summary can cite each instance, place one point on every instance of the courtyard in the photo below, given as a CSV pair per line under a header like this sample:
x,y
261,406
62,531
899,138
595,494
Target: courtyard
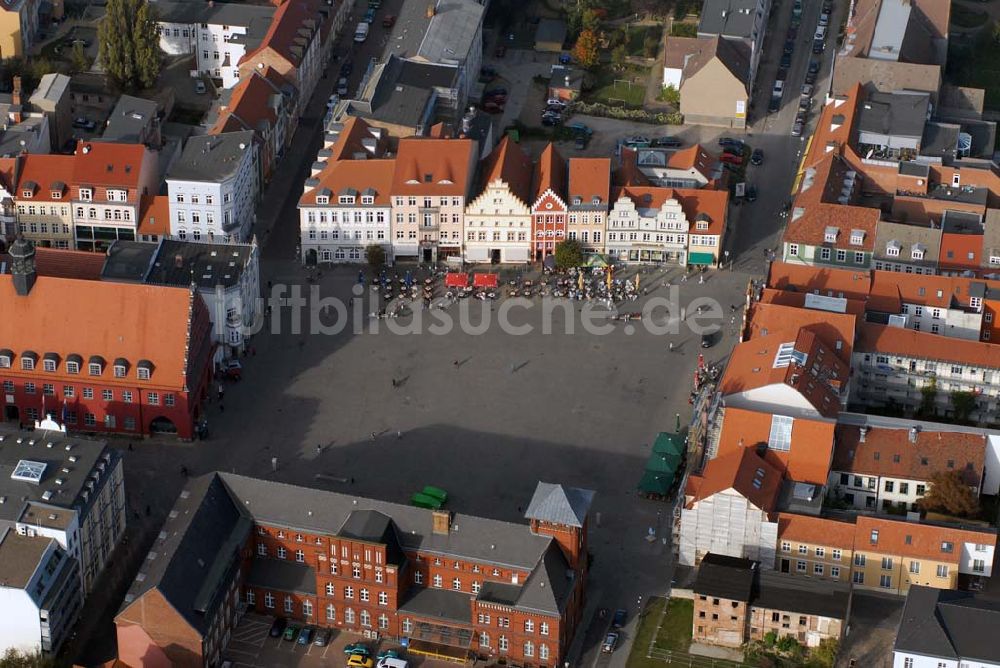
x,y
483,416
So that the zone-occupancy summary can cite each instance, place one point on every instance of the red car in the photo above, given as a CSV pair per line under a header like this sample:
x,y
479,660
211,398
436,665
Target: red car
x,y
389,21
493,108
731,159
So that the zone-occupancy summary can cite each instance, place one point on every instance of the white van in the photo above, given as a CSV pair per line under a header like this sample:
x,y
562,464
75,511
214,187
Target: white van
x,y
361,32
820,34
389,662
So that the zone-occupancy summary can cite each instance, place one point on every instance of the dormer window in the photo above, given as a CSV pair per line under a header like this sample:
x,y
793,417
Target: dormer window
x,y
28,360
56,194
857,237
322,199
144,369
95,365
73,367
117,195
49,363
345,199
26,193
120,367
701,225
917,253
577,200
86,194
892,249
5,357
830,235
94,369
367,199
596,200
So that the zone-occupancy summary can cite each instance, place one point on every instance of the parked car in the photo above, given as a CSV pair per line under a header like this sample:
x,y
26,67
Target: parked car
x,y
619,618
346,68
491,107
305,636
667,142
813,67
637,139
389,21
751,194
361,32
580,129
797,129
810,78
554,109
757,157
291,632
789,47
357,648
389,653
84,124
731,159
729,142
487,74
233,370
786,60
779,88
793,32
332,101
580,143
500,51
375,3
359,661
322,637
369,15
495,91
199,87
807,90
824,19
342,86
773,105
610,642
392,662
278,627
818,47
708,340
556,102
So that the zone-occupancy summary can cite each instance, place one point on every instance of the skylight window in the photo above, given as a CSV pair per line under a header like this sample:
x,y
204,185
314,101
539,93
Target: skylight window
x,y
28,471
788,354
780,437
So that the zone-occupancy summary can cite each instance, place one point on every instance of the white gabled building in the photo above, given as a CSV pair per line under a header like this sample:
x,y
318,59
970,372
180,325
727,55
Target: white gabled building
x,y
730,509
346,208
217,34
647,225
213,188
498,220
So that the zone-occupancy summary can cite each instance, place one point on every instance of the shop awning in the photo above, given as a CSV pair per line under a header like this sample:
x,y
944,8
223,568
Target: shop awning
x,y
701,258
668,443
596,260
656,483
456,280
485,280
663,463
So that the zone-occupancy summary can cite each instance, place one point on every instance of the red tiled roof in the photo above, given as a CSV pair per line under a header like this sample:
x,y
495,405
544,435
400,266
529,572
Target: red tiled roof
x,y
8,173
550,174
849,283
837,329
283,36
873,338
834,127
508,163
890,452
58,263
891,288
357,175
108,164
645,197
855,307
692,157
101,318
350,141
249,105
47,172
910,539
704,202
628,172
589,178
815,530
433,166
808,460
742,470
155,215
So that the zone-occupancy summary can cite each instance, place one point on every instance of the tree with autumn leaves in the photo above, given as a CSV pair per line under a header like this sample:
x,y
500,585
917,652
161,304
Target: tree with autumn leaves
x,y
586,51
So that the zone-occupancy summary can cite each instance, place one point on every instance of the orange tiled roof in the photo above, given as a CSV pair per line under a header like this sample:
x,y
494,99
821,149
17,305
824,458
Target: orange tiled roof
x,y
155,215
101,318
834,127
550,174
283,35
837,329
249,106
59,263
855,307
891,288
698,202
909,539
873,338
350,141
890,452
752,366
808,460
849,283
47,173
589,178
815,530
9,168
508,163
645,197
108,164
692,157
357,175
433,166
738,470
628,172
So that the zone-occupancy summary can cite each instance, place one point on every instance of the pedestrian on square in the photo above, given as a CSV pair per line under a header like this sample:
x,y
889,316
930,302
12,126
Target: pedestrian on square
x,y
222,409
671,346
373,436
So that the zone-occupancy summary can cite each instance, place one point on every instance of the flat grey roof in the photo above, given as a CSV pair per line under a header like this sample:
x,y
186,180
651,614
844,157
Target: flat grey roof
x,y
728,18
178,263
211,158
451,33
778,591
940,140
128,119
441,603
949,624
551,30
19,557
902,114
282,575
216,13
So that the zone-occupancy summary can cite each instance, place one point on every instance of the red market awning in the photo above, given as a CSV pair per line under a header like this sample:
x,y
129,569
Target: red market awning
x,y
456,280
485,280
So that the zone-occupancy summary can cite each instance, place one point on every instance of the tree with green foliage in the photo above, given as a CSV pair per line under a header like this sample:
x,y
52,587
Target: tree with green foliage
x,y
128,44
671,95
375,255
824,655
569,254
949,493
12,658
963,403
619,57
650,46
78,58
585,51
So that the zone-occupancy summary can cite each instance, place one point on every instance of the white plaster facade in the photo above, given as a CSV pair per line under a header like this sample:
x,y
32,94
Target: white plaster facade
x,y
497,226
638,233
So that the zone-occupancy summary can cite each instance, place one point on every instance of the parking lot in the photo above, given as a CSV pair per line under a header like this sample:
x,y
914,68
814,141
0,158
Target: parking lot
x,y
252,647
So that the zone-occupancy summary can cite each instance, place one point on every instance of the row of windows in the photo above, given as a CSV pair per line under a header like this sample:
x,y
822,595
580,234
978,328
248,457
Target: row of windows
x,y
89,419
369,235
69,392
890,266
43,228
496,236
646,236
29,363
358,216
182,234
227,217
835,553
825,254
196,199
429,202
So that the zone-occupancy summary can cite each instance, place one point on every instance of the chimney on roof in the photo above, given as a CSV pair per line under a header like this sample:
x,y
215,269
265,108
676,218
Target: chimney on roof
x,y
22,256
441,525
15,96
179,261
864,433
913,434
